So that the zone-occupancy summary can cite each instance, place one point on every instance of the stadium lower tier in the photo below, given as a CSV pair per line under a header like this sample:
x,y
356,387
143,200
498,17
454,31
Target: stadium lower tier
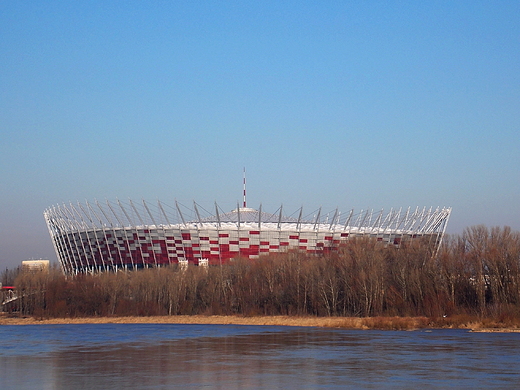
x,y
94,250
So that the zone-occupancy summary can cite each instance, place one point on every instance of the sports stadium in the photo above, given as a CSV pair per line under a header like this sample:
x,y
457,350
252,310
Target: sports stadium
x,y
114,235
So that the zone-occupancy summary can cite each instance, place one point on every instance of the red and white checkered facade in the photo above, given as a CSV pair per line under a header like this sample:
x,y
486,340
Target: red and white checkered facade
x,y
94,237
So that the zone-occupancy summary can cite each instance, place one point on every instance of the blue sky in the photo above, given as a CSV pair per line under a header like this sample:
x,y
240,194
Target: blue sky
x,y
359,105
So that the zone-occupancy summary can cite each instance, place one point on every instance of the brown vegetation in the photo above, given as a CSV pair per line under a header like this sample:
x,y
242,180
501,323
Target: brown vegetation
x,y
474,278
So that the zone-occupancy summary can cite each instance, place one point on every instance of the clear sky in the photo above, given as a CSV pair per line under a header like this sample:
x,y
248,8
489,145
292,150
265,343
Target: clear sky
x,y
363,104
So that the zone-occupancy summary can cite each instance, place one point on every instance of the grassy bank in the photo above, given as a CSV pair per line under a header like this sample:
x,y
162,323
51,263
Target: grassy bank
x,y
384,323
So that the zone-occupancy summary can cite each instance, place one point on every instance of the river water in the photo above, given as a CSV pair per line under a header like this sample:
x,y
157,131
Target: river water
x,y
164,356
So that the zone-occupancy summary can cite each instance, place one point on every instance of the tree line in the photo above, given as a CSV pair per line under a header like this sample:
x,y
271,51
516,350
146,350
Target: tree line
x,y
476,273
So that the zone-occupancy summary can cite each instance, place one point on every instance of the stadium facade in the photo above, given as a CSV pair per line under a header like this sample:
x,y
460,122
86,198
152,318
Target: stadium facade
x,y
94,237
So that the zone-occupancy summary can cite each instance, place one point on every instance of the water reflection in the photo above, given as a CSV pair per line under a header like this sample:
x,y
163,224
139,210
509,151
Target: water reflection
x,y
241,357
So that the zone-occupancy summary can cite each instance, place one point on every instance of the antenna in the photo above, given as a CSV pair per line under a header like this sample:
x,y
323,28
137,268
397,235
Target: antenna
x,y
244,188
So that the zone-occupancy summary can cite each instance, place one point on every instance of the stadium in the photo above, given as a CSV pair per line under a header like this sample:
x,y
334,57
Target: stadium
x,y
110,236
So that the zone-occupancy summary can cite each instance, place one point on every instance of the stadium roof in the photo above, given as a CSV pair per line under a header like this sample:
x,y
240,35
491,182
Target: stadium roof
x,y
246,214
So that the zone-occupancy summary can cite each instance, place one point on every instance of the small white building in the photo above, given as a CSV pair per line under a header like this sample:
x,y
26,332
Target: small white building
x,y
35,265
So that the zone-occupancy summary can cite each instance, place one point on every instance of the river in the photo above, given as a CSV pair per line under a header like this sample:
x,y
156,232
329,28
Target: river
x,y
164,356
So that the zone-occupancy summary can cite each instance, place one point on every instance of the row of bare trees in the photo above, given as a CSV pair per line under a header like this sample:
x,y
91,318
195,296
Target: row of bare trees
x,y
475,273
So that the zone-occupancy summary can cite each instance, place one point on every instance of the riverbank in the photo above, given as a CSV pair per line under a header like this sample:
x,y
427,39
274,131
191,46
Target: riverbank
x,y
361,323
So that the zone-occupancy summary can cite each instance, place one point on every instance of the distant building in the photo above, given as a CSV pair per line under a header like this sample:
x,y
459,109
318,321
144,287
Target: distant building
x,y
94,237
35,265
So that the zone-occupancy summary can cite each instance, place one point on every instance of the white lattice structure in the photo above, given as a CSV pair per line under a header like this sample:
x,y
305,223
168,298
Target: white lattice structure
x,y
92,237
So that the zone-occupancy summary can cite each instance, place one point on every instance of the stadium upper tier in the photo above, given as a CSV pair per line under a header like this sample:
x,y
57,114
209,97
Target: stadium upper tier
x,y
90,237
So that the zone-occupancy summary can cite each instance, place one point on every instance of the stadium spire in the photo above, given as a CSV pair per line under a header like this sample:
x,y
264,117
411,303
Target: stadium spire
x,y
244,205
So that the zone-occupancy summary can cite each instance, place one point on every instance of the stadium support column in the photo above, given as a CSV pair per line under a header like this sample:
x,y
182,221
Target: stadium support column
x,y
333,220
180,213
376,226
299,223
107,247
279,229
316,230
299,236
65,227
445,225
218,243
90,262
418,214
280,217
347,222
57,231
126,244
204,242
52,230
336,236
403,224
136,241
427,226
145,229
197,212
182,255
217,214
83,223
114,238
413,220
387,225
362,223
159,204
418,221
73,236
94,230
169,227
316,221
151,237
239,236
440,222
260,217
